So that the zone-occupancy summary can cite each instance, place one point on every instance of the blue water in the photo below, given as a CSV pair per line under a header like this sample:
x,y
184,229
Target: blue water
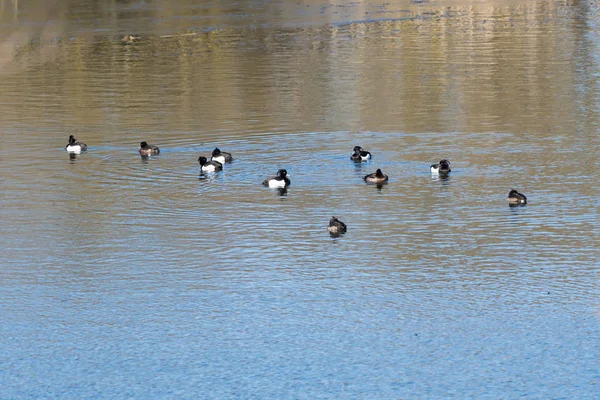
x,y
131,278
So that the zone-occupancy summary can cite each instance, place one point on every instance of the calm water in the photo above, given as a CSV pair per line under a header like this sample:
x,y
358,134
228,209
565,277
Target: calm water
x,y
130,278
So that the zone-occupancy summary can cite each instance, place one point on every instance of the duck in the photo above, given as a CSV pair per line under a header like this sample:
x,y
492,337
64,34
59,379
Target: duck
x,y
74,146
360,154
128,39
377,177
516,198
221,156
336,227
146,150
209,166
279,181
443,167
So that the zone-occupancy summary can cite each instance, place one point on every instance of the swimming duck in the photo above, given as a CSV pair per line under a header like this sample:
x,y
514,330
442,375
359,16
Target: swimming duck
x,y
443,167
128,39
516,198
74,146
336,227
221,156
360,154
146,150
279,181
209,166
376,177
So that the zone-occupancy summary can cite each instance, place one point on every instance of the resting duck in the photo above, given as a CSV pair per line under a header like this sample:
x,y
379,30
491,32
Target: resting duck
x,y
74,146
147,150
377,177
209,166
279,181
336,227
443,167
516,198
360,154
128,39
221,156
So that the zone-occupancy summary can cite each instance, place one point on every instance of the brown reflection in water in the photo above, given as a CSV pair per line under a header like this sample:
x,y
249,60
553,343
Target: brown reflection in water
x,y
488,67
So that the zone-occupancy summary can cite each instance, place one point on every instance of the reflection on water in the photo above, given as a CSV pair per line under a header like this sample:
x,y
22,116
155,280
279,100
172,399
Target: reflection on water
x,y
120,269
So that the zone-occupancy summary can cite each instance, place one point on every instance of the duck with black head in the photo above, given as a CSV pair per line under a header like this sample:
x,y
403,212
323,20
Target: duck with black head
x,y
516,199
147,150
209,166
441,168
281,180
221,156
74,146
360,154
336,227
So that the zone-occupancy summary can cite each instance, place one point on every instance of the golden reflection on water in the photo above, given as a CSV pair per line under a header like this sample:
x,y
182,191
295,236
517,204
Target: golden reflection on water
x,y
508,85
472,67
496,83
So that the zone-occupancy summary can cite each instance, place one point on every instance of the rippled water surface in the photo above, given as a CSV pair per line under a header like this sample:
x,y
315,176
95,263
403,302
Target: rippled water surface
x,y
124,277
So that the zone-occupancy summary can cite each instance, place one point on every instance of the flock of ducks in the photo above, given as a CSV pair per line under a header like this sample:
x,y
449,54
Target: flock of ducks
x,y
281,180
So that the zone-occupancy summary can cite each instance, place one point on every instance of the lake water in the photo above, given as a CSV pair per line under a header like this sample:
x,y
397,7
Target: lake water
x,y
129,278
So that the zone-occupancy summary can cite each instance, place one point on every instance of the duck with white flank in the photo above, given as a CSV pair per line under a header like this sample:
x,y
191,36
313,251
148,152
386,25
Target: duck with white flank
x,y
74,146
441,168
360,154
209,166
279,181
221,156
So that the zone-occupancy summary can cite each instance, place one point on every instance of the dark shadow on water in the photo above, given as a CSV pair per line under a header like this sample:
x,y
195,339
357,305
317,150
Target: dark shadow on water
x,y
379,186
358,166
514,207
146,159
518,214
282,192
336,235
207,176
442,178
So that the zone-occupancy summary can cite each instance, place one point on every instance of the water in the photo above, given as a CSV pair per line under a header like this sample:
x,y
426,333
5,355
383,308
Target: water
x,y
131,278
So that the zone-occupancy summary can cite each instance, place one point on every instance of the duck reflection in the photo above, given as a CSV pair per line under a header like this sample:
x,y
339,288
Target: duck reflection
x,y
207,176
443,178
